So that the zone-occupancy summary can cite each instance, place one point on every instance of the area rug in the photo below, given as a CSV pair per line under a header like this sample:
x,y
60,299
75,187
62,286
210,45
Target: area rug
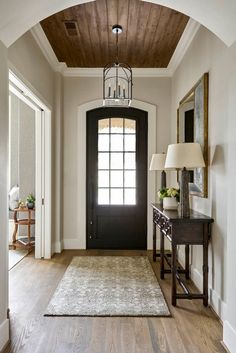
x,y
16,256
108,286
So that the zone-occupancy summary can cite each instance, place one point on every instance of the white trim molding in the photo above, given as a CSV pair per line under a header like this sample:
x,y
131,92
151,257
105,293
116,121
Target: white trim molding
x,y
182,47
184,43
229,337
45,46
4,334
78,239
57,247
215,301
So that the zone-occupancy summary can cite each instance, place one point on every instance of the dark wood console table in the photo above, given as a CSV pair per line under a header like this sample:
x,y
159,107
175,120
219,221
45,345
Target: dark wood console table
x,y
194,230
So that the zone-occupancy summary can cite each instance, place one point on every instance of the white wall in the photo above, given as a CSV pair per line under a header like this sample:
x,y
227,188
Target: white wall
x,y
230,322
4,325
208,53
29,63
78,91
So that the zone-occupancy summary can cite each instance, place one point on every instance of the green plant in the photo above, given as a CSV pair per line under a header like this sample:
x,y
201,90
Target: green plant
x,y
169,192
30,198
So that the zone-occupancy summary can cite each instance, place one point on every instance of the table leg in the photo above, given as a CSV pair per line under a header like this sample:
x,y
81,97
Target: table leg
x,y
173,273
29,235
187,261
154,242
205,266
162,254
14,235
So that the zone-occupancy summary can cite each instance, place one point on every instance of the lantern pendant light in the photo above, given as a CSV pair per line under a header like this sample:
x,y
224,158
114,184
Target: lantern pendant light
x,y
117,79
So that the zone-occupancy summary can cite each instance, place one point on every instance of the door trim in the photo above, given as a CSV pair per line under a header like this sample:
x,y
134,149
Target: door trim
x,y
43,165
77,240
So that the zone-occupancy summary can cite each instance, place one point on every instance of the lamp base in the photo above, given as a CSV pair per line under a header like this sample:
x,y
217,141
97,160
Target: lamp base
x,y
163,184
184,193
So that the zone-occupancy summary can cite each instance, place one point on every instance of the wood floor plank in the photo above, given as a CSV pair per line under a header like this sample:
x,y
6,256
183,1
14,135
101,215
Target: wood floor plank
x,y
191,329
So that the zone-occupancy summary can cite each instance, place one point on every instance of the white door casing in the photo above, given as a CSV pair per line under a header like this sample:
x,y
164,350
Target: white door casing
x,y
43,165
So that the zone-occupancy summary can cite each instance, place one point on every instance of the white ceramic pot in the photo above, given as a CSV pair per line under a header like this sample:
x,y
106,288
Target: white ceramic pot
x,y
170,203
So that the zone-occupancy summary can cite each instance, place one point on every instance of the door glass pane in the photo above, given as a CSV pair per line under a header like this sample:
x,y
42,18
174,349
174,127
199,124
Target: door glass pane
x,y
103,126
116,160
117,143
117,125
103,196
116,196
103,142
130,126
130,196
130,143
130,160
103,160
103,179
130,179
117,179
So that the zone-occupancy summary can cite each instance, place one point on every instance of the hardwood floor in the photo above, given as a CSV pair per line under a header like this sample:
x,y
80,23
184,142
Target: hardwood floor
x,y
191,329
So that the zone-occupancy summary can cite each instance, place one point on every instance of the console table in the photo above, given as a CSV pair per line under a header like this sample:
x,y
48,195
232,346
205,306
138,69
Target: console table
x,y
194,230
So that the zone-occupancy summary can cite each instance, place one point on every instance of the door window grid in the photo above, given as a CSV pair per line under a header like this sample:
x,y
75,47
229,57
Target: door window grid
x,y
109,194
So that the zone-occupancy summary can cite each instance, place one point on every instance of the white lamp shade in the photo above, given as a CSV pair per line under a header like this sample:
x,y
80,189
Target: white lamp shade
x,y
188,155
158,161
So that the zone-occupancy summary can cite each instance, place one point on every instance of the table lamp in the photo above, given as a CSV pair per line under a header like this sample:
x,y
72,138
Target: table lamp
x,y
158,163
184,156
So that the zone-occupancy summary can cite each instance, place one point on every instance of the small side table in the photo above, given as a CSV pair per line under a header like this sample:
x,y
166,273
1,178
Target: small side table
x,y
26,221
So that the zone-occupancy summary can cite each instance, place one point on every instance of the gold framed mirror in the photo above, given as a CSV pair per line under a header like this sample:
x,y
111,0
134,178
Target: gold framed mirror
x,y
192,126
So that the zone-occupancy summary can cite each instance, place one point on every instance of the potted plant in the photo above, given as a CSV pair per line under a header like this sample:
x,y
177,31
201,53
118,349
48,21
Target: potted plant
x,y
170,197
30,201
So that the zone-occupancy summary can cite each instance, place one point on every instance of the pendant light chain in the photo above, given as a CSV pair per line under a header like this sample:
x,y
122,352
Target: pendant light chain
x,y
117,77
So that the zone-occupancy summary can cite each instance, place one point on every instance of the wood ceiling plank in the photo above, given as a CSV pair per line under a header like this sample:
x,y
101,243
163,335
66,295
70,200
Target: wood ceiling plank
x,y
150,33
102,27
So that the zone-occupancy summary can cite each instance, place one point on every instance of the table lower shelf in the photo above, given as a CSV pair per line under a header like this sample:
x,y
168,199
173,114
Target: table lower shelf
x,y
23,242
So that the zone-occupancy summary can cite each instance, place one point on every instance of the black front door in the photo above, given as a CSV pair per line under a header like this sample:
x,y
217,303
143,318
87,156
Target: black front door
x,y
116,178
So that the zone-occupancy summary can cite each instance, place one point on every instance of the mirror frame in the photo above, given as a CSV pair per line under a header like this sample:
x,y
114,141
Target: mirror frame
x,y
203,140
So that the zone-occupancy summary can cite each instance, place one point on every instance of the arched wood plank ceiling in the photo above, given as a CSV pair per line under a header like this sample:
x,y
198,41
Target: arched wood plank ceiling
x,y
81,35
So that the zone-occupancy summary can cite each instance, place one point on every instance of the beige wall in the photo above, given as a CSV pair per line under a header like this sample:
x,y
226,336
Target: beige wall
x,y
207,53
29,63
78,91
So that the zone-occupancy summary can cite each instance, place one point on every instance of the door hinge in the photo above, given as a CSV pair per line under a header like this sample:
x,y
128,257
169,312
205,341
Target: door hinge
x,y
43,202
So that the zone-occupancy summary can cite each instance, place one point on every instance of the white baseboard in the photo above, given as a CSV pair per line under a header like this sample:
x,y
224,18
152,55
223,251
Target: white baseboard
x,y
217,304
215,301
4,334
57,247
229,337
73,244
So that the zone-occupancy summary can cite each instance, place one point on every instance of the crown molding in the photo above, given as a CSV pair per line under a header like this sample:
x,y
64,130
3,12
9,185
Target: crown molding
x,y
98,72
184,43
182,47
43,43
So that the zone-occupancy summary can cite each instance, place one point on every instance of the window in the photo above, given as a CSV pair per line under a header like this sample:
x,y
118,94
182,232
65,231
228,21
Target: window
x,y
116,161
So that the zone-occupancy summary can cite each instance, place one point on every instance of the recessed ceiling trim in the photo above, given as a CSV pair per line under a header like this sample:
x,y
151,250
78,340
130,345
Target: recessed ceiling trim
x,y
182,47
46,48
186,39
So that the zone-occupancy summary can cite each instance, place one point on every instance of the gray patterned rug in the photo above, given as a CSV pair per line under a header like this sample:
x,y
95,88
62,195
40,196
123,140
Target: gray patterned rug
x,y
108,286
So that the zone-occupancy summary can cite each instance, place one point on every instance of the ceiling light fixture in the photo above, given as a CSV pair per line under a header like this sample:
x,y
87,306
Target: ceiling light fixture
x,y
117,79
